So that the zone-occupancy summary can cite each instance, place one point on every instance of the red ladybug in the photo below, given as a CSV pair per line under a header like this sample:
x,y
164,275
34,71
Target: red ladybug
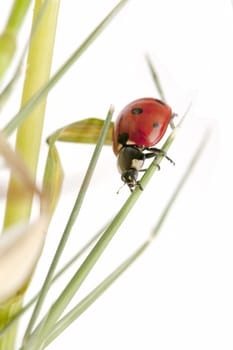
x,y
139,126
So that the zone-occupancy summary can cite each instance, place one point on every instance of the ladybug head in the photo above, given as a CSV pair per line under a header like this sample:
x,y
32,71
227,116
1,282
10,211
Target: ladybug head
x,y
130,160
129,177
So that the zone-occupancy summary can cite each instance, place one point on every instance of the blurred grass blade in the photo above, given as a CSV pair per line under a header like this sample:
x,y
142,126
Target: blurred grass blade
x,y
182,182
55,278
17,15
38,71
42,92
17,166
20,241
18,208
8,39
15,271
158,84
70,223
83,131
52,181
10,85
155,78
72,315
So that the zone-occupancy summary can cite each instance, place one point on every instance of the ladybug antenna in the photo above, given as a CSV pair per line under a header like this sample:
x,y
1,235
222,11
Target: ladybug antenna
x,y
120,188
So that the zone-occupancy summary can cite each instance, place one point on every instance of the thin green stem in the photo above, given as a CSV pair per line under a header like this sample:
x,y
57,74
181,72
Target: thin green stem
x,y
92,296
181,183
70,223
155,78
82,306
72,287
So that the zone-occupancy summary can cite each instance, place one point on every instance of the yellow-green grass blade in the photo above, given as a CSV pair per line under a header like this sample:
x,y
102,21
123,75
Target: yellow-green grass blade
x,y
8,39
52,181
83,131
29,134
8,88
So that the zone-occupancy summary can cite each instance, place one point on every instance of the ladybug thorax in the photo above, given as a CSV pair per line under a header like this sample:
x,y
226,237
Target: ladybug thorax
x,y
130,157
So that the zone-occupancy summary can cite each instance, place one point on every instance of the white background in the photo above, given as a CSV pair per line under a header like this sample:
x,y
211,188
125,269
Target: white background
x,y
179,293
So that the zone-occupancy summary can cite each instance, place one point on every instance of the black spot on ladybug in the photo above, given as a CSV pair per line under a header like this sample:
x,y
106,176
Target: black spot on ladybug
x,y
137,110
156,125
159,101
123,138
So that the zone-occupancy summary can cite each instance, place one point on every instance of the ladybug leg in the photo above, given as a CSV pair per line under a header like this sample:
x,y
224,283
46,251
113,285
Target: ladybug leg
x,y
157,165
139,186
156,151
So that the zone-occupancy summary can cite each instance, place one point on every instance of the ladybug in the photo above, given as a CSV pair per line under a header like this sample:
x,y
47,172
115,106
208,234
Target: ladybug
x,y
138,127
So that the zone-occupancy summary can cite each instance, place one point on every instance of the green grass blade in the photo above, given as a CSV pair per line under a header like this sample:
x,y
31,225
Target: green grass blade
x,y
93,296
41,93
79,277
71,221
181,183
155,78
71,316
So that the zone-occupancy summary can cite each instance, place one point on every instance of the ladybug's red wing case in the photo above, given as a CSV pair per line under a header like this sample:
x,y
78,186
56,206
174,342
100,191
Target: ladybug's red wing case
x,y
143,122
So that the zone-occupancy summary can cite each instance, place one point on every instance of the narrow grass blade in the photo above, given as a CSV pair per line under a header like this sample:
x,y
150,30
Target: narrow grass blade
x,y
71,221
41,93
92,297
79,277
71,316
182,182
155,78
